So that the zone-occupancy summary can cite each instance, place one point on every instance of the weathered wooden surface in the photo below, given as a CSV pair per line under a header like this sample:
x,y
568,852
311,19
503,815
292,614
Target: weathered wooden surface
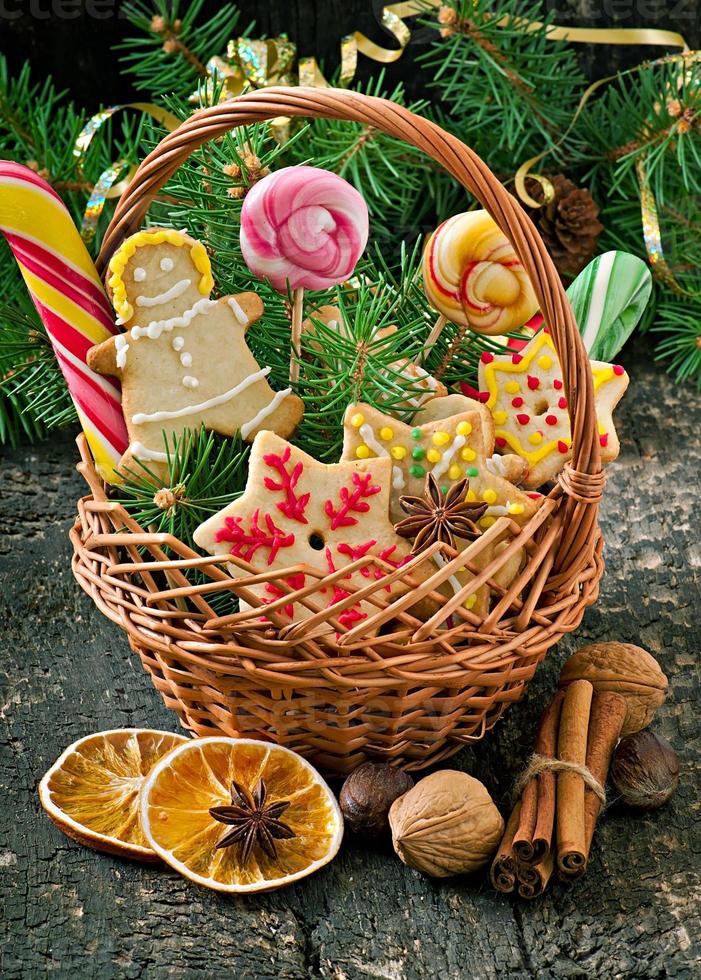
x,y
67,671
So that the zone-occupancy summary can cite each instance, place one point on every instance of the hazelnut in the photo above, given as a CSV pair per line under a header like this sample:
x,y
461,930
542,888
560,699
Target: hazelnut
x,y
367,795
626,669
645,771
446,825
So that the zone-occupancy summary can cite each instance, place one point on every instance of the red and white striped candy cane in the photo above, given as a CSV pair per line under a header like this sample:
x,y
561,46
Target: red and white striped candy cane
x,y
67,292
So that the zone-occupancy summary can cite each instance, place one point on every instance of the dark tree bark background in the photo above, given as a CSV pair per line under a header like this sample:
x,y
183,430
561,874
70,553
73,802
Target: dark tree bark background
x,y
71,39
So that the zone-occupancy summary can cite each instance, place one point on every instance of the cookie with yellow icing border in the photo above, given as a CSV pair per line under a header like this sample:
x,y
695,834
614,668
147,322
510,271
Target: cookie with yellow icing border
x,y
529,406
183,360
296,510
512,467
400,376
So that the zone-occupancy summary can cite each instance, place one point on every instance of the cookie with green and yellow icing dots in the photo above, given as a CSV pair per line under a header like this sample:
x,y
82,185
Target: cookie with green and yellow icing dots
x,y
451,448
512,467
524,392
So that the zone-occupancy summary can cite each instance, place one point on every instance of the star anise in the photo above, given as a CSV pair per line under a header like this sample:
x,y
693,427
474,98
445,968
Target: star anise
x,y
252,821
440,517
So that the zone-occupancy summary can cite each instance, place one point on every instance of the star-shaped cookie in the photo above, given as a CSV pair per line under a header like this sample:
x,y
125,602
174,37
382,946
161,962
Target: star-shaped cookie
x,y
511,467
297,510
529,408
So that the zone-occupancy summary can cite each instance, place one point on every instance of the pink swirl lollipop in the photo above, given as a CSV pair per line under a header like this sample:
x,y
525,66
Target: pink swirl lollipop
x,y
303,225
306,227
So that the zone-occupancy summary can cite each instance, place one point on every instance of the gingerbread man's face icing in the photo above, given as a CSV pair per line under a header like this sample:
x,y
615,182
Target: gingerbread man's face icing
x,y
184,361
156,271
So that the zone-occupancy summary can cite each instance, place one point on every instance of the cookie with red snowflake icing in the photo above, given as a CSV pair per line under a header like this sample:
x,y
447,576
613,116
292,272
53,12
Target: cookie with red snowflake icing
x,y
296,510
450,448
525,394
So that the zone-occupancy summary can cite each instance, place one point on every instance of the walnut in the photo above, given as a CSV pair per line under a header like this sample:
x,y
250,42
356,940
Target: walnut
x,y
446,825
625,669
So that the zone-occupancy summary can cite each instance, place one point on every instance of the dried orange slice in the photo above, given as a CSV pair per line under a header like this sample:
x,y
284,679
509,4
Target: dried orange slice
x,y
92,791
274,819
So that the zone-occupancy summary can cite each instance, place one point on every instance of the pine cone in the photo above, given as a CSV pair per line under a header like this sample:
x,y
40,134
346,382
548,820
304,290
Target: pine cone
x,y
569,225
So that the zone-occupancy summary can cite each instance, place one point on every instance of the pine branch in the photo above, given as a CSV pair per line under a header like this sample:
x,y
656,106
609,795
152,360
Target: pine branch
x,y
507,92
205,473
678,323
176,40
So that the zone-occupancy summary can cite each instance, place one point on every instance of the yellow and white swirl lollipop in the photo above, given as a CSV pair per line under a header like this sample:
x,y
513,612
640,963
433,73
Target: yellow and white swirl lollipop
x,y
473,276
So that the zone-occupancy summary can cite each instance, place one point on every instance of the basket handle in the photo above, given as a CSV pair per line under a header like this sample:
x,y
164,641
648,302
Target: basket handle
x,y
582,480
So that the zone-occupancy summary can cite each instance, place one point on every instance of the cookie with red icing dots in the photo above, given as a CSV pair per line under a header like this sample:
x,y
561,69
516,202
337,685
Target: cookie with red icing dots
x,y
297,511
525,393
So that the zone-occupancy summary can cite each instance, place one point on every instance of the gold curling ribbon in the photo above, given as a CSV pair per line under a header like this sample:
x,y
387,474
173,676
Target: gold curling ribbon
x,y
107,186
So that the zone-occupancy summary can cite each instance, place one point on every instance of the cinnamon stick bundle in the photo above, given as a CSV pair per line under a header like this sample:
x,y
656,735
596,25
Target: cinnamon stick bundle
x,y
533,837
552,825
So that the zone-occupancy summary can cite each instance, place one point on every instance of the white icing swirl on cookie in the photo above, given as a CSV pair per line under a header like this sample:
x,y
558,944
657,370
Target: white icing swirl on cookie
x,y
140,451
238,311
141,417
121,347
447,458
154,330
267,410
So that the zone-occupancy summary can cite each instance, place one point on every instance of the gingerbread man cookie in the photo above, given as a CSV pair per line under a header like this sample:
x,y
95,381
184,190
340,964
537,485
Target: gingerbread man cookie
x,y
296,510
527,401
408,385
184,361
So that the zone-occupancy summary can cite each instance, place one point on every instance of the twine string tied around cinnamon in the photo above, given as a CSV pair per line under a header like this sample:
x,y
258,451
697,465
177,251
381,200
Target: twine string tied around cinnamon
x,y
541,763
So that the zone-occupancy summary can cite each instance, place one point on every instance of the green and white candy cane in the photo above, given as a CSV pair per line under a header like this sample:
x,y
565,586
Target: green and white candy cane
x,y
608,299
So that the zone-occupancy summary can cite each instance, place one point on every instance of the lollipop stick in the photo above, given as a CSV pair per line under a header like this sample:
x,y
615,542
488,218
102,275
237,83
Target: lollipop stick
x,y
435,333
296,334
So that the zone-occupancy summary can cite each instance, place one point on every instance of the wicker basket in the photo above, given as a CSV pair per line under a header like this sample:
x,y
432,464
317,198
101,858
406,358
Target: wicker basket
x,y
393,688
